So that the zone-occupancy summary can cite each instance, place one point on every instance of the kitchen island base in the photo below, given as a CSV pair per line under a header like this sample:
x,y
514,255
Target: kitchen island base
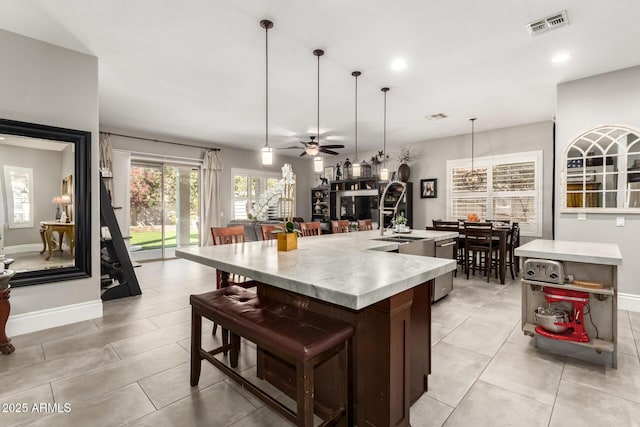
x,y
392,336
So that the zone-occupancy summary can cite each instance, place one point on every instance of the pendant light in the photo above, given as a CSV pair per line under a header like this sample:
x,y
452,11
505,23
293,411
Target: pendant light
x,y
318,165
384,172
472,179
267,152
356,165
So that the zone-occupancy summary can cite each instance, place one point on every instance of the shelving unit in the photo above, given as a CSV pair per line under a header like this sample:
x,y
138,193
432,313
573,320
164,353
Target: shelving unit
x,y
116,265
594,262
320,210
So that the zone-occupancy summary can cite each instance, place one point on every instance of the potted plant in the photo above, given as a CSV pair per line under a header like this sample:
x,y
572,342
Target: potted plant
x,y
288,234
400,223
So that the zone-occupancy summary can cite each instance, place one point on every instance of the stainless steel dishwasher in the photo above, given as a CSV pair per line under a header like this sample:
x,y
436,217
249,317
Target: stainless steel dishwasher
x,y
442,285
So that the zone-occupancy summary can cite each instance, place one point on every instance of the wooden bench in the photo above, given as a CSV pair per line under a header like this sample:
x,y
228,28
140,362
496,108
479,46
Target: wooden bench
x,y
297,336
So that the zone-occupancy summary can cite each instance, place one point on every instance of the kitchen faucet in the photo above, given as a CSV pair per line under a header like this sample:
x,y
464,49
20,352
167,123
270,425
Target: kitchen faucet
x,y
393,211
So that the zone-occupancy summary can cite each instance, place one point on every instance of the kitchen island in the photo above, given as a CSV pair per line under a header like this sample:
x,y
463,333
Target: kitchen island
x,y
355,278
567,272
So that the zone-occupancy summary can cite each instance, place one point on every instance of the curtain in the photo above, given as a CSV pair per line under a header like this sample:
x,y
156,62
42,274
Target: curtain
x,y
106,161
212,171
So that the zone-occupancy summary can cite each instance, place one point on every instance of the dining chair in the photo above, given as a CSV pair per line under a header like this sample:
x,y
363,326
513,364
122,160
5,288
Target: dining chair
x,y
513,241
480,248
453,226
340,226
310,228
229,236
267,231
365,224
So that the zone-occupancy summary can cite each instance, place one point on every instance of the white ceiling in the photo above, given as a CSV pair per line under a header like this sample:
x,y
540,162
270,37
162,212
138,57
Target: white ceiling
x,y
194,69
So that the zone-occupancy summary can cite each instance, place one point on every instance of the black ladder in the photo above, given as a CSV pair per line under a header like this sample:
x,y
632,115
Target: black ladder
x,y
115,263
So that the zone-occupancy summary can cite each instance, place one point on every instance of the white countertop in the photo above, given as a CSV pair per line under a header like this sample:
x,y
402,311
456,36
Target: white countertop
x,y
337,268
561,250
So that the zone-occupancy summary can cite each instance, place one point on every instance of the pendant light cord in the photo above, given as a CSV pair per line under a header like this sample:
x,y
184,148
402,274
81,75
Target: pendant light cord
x,y
473,122
356,74
318,110
266,90
384,134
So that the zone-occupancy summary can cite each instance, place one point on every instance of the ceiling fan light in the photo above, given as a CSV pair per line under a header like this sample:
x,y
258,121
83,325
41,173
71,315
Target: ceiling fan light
x,y
267,156
318,165
384,174
312,150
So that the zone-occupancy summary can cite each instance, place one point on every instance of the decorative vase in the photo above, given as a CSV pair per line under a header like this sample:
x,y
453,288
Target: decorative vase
x,y
403,172
287,241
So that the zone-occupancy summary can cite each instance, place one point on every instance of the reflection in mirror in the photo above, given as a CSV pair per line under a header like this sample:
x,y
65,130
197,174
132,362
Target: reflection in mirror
x,y
19,196
601,169
46,230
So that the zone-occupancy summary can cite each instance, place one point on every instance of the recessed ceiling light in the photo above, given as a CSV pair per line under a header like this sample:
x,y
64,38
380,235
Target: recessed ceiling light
x,y
1,137
560,57
399,64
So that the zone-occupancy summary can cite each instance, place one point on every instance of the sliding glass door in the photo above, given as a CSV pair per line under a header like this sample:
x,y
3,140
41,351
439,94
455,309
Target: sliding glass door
x,y
165,209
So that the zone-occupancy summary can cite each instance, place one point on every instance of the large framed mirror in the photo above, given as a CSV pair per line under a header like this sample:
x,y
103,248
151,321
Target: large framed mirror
x,y
45,202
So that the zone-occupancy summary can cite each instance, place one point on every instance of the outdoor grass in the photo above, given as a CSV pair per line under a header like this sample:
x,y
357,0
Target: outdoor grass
x,y
153,239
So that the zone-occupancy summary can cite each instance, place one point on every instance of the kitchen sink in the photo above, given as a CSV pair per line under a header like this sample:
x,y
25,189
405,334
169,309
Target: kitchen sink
x,y
399,239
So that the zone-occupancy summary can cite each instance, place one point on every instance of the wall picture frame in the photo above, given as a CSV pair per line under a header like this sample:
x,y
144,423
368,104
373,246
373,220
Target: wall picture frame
x,y
429,188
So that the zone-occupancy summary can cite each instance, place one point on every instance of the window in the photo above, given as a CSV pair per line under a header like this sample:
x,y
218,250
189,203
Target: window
x,y
19,190
601,171
510,189
249,186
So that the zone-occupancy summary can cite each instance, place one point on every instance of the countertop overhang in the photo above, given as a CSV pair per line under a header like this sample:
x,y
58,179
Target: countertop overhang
x,y
563,250
352,270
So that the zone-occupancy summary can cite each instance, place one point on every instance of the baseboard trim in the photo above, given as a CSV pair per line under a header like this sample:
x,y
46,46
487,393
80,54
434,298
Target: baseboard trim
x,y
630,302
50,318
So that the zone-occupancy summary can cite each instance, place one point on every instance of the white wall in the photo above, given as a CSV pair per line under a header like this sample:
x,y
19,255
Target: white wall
x,y
231,158
46,84
432,163
610,98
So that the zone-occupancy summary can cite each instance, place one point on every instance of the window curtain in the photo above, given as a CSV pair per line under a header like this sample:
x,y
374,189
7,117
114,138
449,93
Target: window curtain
x,y
106,161
212,172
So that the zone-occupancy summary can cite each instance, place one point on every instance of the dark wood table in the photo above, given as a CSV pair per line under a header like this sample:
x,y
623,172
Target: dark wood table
x,y
502,234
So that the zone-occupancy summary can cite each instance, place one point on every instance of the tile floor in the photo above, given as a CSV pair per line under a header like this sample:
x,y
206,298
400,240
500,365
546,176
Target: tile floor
x,y
131,367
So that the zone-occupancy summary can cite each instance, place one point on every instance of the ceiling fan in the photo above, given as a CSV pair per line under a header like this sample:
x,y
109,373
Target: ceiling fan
x,y
313,147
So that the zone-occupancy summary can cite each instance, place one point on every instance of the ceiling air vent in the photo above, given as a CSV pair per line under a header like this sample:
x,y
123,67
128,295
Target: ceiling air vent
x,y
547,24
436,116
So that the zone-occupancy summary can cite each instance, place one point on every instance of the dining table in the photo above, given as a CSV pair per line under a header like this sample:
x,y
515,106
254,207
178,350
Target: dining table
x,y
501,233
357,278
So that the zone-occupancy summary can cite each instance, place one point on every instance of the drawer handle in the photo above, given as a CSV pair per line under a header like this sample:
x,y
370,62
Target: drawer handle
x,y
447,244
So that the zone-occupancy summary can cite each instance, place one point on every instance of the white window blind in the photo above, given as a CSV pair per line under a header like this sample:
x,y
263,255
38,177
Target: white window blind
x,y
510,189
247,187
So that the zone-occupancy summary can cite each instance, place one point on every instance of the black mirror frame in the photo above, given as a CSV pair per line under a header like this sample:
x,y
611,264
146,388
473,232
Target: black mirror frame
x,y
82,205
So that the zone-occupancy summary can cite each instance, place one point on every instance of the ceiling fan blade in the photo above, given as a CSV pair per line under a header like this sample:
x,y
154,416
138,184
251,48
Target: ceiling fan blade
x,y
324,150
304,153
287,148
332,146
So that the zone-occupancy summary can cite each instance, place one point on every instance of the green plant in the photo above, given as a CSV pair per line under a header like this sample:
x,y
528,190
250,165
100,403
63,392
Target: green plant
x,y
401,220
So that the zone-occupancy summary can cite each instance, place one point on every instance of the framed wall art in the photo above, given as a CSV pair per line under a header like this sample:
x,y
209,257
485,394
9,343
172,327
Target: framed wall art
x,y
428,188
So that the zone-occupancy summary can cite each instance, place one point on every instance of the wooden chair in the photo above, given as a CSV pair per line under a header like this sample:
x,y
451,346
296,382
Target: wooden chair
x,y
267,231
365,224
310,228
340,226
480,248
454,227
228,236
513,241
